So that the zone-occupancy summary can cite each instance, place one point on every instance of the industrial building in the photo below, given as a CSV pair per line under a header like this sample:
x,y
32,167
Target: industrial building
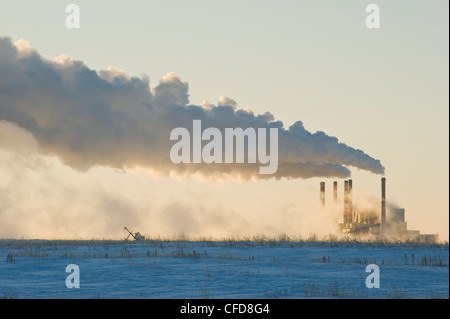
x,y
382,222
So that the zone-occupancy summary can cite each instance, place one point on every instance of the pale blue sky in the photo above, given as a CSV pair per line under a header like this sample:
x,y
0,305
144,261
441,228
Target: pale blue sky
x,y
384,91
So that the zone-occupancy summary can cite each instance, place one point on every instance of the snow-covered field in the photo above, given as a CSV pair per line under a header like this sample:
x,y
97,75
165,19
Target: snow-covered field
x,y
225,269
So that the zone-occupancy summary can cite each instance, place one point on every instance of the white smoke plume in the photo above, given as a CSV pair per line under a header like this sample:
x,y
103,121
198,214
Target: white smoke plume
x,y
108,118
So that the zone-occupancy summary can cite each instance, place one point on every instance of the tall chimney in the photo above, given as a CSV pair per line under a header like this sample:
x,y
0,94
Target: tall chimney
x,y
345,203
383,205
350,201
335,192
322,193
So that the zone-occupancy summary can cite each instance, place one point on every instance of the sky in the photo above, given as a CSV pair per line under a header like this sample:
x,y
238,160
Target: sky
x,y
381,91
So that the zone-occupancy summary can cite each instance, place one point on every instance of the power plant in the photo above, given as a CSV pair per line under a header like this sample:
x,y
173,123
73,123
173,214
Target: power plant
x,y
382,222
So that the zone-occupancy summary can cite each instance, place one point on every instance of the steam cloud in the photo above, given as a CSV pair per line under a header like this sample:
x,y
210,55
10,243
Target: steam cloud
x,y
108,118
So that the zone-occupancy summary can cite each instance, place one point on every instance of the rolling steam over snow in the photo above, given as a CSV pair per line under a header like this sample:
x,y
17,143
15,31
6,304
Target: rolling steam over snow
x,y
108,118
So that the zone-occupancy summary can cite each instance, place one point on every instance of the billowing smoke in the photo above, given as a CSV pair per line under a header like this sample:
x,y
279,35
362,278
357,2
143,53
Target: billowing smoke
x,y
108,118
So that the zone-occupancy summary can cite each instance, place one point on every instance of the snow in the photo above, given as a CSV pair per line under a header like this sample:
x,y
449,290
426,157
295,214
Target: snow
x,y
228,269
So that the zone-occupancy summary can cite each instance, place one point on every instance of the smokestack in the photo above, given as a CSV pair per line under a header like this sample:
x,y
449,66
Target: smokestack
x,y
345,203
383,205
335,192
348,203
322,193
350,200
